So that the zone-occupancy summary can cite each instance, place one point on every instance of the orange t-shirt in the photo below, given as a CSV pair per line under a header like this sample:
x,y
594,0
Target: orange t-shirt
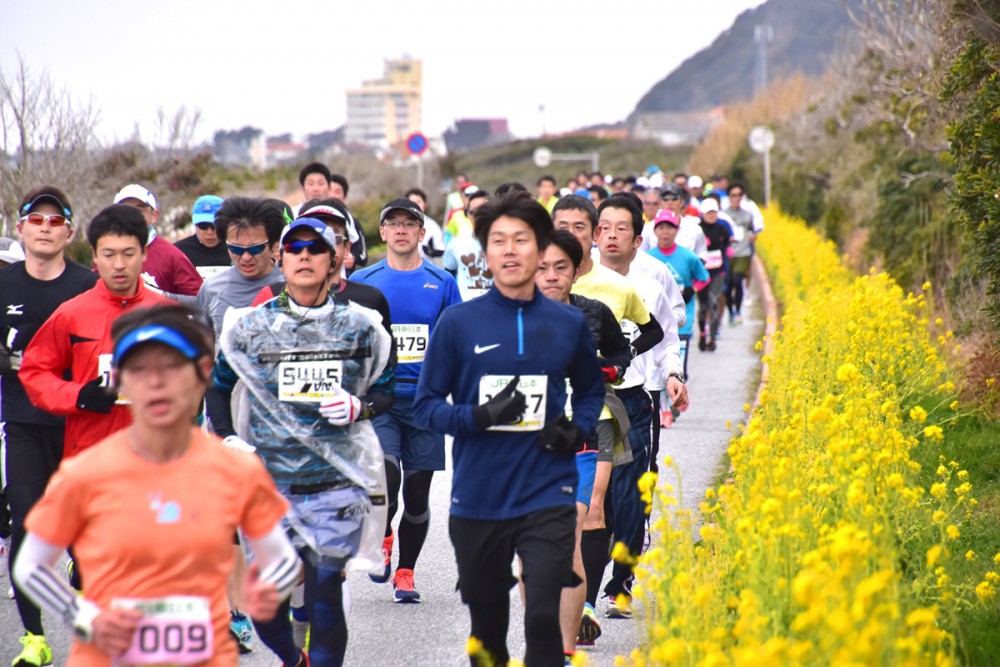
x,y
146,530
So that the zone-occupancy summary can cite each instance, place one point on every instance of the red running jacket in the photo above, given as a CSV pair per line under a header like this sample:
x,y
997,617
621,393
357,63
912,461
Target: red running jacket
x,y
77,338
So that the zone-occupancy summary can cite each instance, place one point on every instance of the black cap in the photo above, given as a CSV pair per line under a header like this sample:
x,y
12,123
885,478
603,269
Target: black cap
x,y
402,205
46,194
673,189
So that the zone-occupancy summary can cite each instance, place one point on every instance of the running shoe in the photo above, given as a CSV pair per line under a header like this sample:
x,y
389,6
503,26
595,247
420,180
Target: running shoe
x,y
590,629
36,652
242,631
702,344
403,583
303,660
616,610
387,552
711,345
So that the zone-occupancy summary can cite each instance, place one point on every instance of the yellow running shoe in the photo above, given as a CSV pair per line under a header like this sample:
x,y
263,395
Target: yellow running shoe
x,y
36,652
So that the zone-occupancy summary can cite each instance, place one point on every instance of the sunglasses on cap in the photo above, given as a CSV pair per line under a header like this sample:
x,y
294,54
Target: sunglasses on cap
x,y
254,250
54,220
312,246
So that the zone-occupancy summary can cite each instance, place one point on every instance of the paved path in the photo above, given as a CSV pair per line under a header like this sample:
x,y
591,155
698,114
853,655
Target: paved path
x,y
384,634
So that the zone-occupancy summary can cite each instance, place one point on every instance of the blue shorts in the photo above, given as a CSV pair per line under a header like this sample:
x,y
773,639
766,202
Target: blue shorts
x,y
416,448
586,468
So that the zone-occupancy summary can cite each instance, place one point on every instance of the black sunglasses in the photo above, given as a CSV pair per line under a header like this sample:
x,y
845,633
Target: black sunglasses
x,y
313,246
205,226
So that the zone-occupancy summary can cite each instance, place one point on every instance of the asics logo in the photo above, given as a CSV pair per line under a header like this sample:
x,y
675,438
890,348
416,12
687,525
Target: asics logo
x,y
486,348
17,309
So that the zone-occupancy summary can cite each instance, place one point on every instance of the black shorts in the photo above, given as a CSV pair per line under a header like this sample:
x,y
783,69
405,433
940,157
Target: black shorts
x,y
484,550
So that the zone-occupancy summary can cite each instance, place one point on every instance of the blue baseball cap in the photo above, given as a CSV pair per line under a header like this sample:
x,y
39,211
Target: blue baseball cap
x,y
205,208
318,226
153,333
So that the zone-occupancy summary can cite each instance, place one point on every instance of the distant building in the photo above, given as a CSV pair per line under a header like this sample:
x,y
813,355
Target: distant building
x,y
282,149
243,147
471,133
671,128
383,112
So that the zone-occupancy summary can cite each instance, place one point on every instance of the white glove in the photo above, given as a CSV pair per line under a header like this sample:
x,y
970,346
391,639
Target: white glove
x,y
238,443
342,409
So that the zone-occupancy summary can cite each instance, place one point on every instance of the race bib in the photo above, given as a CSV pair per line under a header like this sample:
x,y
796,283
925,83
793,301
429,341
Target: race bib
x,y
104,372
629,329
309,380
411,342
739,233
713,259
176,630
569,400
535,390
207,272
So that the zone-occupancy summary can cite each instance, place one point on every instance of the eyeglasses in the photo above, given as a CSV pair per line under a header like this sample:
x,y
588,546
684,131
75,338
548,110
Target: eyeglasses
x,y
313,246
406,224
205,226
54,220
254,250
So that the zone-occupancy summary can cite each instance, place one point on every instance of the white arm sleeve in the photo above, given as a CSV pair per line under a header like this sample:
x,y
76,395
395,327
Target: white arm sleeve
x,y
279,562
36,577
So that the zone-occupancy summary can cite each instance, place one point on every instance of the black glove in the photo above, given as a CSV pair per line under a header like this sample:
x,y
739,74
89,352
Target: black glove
x,y
507,407
95,398
688,294
560,435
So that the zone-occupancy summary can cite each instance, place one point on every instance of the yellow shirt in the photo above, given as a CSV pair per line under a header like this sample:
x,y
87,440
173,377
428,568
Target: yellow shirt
x,y
550,204
614,291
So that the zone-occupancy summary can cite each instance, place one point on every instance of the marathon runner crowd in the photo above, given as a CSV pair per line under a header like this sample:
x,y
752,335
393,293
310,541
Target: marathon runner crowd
x,y
218,431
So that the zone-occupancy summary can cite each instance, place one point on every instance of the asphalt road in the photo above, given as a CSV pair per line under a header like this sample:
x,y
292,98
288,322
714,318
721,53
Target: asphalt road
x,y
384,634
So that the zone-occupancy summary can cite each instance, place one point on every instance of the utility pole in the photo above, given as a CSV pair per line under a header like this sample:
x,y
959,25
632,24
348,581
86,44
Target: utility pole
x,y
763,34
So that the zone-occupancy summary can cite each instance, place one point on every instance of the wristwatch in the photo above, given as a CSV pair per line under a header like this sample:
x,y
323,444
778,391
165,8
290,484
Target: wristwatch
x,y
680,376
83,622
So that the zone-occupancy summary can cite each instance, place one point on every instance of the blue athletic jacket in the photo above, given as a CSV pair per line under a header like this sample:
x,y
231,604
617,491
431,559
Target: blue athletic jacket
x,y
505,474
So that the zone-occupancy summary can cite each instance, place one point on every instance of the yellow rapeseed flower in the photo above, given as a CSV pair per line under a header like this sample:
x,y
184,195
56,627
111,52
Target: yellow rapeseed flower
x,y
918,414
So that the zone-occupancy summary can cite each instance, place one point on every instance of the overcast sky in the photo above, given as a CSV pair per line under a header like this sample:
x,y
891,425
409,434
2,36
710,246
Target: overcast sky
x,y
284,66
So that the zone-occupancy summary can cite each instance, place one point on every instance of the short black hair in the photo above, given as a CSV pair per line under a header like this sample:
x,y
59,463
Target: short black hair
x,y
577,203
596,173
509,186
623,201
412,191
314,168
118,220
737,184
478,194
340,180
247,213
569,244
547,177
187,322
679,174
597,190
520,205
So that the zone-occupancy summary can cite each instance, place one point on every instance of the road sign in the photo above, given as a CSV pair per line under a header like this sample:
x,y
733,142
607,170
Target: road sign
x,y
542,157
416,143
761,139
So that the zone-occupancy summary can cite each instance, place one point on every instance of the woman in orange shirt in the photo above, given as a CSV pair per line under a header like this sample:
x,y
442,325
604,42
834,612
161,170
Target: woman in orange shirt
x,y
150,514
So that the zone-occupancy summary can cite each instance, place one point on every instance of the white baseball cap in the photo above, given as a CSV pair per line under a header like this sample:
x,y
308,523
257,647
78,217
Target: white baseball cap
x,y
136,191
10,251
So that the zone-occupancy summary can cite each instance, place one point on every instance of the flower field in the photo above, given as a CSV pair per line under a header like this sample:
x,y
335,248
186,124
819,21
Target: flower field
x,y
833,540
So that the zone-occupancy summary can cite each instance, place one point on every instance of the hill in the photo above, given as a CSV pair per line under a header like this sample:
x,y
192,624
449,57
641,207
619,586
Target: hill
x,y
807,33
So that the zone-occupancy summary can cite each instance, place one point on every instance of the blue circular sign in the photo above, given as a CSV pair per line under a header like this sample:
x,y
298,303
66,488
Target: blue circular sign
x,y
416,143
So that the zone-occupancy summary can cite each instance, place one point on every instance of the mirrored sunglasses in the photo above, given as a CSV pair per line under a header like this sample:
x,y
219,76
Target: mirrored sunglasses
x,y
54,220
254,250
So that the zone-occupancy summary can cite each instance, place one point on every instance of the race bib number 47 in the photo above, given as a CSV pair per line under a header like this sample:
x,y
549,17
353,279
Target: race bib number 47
x,y
309,381
535,390
411,342
175,630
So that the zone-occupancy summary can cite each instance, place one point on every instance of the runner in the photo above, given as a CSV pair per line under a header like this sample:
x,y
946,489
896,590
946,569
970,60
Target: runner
x,y
464,257
555,278
432,246
315,372
674,198
166,268
133,509
690,274
547,192
515,480
719,238
204,248
30,291
418,293
75,341
745,230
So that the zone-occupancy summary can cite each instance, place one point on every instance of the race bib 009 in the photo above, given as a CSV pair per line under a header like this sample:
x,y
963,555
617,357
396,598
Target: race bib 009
x,y
535,389
411,342
175,630
311,381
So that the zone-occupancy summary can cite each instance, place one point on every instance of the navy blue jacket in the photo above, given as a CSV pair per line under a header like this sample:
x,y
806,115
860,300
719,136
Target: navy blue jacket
x,y
502,474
